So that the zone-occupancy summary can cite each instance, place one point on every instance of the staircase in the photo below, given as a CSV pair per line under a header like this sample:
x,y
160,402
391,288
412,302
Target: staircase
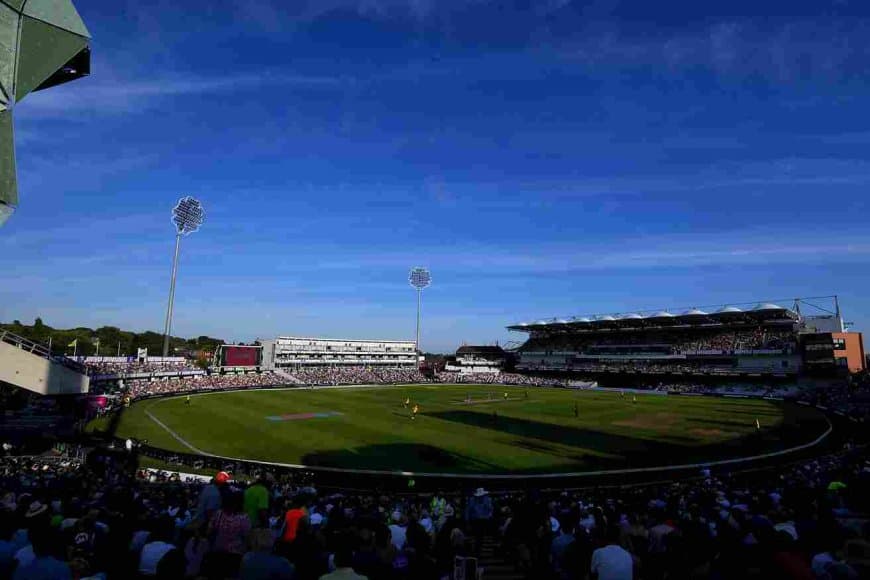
x,y
29,365
494,566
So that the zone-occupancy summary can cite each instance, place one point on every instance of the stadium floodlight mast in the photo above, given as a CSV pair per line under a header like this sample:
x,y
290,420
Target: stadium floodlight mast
x,y
419,278
187,215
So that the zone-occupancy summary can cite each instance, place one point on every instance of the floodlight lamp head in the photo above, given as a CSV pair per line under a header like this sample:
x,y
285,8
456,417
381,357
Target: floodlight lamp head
x,y
187,215
420,278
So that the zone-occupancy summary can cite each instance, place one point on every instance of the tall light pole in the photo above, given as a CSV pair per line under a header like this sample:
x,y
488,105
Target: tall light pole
x,y
187,216
419,278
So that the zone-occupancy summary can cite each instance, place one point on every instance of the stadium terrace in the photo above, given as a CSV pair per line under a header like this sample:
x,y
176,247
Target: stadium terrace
x,y
765,340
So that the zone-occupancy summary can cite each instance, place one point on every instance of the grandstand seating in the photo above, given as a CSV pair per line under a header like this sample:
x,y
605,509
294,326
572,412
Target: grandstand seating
x,y
105,516
727,349
807,520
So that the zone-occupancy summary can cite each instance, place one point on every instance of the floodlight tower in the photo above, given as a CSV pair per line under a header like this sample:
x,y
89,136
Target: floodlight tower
x,y
419,278
187,215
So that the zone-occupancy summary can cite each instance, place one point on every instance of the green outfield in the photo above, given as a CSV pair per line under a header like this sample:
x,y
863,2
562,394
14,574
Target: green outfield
x,y
470,429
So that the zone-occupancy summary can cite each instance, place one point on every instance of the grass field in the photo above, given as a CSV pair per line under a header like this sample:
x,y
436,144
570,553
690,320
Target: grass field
x,y
369,428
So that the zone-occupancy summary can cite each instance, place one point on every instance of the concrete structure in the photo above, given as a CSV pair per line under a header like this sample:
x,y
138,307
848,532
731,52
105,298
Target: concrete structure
x,y
849,351
290,352
477,359
43,43
28,365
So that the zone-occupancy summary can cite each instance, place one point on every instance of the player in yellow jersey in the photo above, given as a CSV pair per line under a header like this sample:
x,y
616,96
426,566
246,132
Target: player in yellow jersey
x,y
414,411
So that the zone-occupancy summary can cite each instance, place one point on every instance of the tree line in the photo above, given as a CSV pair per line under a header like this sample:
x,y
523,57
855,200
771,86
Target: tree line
x,y
111,339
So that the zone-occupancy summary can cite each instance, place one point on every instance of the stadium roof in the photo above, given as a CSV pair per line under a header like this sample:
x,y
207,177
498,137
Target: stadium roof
x,y
481,350
44,44
316,339
767,311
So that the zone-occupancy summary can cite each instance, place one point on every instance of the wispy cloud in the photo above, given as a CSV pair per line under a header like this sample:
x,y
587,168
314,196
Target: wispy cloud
x,y
734,248
791,52
119,95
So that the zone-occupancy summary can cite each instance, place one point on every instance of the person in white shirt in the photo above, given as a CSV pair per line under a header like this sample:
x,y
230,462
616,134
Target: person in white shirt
x,y
612,562
157,548
399,529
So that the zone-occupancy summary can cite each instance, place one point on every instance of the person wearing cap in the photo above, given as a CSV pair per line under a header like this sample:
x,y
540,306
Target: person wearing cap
x,y
478,513
209,501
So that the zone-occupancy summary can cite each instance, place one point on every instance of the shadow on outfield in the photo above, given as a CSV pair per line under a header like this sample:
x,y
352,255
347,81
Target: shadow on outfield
x,y
399,457
622,450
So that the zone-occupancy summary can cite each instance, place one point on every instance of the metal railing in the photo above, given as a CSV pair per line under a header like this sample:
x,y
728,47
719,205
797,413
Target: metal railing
x,y
40,350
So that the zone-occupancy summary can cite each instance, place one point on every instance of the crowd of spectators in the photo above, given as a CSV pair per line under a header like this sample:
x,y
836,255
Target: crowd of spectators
x,y
668,341
137,388
740,389
635,366
500,379
133,367
852,399
357,375
102,519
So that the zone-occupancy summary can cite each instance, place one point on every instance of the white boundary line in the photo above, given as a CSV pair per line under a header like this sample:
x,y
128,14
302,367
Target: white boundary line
x,y
491,476
176,436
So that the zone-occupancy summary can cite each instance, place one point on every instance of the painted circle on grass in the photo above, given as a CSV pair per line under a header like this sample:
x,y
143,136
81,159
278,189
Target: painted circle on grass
x,y
473,430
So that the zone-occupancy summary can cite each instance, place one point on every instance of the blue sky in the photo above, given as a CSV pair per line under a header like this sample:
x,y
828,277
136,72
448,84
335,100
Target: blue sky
x,y
541,158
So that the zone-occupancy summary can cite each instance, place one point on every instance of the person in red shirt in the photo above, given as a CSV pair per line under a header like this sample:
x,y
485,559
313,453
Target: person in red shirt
x,y
292,518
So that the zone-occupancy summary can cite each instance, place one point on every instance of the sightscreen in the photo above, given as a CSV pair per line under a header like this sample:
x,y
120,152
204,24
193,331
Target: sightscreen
x,y
241,356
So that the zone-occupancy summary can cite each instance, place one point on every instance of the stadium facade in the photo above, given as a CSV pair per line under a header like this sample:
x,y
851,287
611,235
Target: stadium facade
x,y
471,359
294,352
764,340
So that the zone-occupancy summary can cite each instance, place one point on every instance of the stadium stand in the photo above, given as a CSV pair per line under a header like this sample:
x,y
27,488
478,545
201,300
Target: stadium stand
x,y
102,516
766,340
91,511
133,367
164,386
358,375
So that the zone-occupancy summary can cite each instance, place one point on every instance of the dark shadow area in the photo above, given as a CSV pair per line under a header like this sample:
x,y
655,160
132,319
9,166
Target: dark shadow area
x,y
399,457
627,451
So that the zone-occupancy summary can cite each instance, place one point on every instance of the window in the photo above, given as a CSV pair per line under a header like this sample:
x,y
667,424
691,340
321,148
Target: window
x,y
839,344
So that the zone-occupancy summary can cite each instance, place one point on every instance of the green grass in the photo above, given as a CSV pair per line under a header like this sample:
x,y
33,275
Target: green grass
x,y
538,434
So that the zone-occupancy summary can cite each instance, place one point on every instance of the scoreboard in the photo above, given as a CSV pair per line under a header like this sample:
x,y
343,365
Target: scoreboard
x,y
239,356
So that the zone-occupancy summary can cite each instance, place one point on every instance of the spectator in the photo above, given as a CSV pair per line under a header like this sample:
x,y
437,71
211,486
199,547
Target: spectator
x,y
256,500
560,550
158,546
343,559
229,528
612,561
479,513
210,498
261,564
43,565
